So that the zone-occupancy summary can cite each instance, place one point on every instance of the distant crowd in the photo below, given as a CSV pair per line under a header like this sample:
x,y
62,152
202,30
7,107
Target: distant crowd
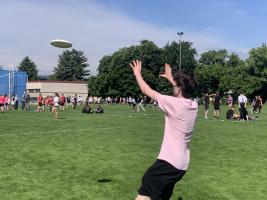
x,y
231,114
62,102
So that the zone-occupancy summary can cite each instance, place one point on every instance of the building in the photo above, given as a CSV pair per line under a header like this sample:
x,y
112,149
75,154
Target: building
x,y
49,88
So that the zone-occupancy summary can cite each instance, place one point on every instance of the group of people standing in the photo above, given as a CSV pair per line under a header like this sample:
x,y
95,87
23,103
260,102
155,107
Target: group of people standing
x,y
6,101
216,99
52,103
230,114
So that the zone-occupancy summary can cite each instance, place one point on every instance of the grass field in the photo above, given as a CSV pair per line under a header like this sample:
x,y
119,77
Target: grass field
x,y
104,156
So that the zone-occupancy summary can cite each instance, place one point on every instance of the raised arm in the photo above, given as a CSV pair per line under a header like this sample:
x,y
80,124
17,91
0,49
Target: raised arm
x,y
168,74
137,68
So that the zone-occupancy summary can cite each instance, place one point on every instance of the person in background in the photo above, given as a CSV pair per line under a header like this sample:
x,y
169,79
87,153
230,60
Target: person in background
x,y
62,102
230,101
2,102
16,102
13,102
74,103
7,102
230,114
217,103
40,102
206,104
242,103
23,98
55,105
27,102
99,109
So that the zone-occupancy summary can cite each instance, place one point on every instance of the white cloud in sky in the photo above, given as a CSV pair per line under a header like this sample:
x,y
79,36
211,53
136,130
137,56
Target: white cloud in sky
x,y
27,27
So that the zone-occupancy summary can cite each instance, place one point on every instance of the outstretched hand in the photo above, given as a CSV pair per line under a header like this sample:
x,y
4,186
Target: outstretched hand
x,y
168,73
137,67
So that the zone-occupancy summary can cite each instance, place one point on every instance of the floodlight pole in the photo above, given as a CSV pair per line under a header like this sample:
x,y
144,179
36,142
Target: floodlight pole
x,y
180,41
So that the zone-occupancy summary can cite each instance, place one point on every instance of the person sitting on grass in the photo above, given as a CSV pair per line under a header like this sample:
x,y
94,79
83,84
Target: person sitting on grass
x,y
87,109
230,114
99,109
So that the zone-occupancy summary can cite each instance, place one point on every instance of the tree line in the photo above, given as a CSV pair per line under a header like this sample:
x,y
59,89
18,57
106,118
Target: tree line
x,y
214,70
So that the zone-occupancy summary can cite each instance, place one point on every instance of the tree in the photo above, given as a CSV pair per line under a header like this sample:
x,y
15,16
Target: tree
x,y
238,79
71,66
212,57
29,67
208,78
257,66
234,61
115,76
171,55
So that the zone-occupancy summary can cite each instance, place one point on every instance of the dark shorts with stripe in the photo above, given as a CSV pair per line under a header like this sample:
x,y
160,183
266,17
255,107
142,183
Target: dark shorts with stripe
x,y
159,180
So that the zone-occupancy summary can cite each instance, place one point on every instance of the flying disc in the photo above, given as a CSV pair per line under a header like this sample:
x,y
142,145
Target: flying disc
x,y
61,43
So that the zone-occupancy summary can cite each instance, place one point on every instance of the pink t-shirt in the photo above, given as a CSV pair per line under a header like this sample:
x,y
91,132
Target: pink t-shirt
x,y
2,99
180,117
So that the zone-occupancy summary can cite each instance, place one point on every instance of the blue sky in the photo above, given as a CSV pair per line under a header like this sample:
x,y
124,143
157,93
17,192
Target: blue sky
x,y
100,27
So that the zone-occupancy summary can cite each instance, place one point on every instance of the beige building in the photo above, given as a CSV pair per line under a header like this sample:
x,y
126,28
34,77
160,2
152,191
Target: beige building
x,y
68,88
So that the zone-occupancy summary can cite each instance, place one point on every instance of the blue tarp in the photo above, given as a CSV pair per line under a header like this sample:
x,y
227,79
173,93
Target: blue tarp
x,y
20,80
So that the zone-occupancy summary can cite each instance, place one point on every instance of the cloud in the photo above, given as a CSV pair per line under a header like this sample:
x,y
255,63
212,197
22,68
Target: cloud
x,y
27,27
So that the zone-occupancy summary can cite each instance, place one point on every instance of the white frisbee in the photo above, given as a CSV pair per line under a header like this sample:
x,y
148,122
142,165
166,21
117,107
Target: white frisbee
x,y
61,43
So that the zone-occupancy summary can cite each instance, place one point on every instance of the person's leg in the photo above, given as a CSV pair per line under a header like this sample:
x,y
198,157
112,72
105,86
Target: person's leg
x,y
142,107
140,197
206,114
214,113
217,113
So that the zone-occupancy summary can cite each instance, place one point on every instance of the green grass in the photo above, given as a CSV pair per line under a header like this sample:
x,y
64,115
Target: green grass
x,y
104,156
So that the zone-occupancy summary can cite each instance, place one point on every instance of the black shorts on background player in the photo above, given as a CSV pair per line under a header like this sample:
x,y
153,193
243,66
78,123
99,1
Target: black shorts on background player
x,y
217,102
159,180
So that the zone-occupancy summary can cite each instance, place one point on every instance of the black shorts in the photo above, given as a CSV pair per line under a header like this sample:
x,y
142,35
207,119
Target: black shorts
x,y
159,180
216,107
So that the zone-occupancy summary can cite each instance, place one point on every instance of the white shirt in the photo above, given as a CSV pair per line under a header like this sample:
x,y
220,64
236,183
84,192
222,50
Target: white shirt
x,y
242,99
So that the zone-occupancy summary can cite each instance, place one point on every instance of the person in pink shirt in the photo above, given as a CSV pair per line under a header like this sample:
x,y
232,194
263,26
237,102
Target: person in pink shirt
x,y
180,116
7,101
2,102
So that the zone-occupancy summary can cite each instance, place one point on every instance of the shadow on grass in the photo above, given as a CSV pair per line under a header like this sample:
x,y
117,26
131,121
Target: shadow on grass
x,y
104,180
180,198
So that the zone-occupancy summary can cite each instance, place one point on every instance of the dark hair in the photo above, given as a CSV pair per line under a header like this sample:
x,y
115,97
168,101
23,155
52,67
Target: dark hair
x,y
185,83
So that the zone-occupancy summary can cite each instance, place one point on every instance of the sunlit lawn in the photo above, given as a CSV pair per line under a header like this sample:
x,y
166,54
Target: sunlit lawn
x,y
99,157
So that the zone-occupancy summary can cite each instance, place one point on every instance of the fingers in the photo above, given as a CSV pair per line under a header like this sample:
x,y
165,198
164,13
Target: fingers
x,y
136,63
167,66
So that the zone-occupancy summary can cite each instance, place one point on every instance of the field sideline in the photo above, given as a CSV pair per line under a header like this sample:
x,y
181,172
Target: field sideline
x,y
102,157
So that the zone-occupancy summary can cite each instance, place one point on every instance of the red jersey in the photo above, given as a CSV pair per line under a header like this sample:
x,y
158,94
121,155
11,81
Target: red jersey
x,y
40,99
62,99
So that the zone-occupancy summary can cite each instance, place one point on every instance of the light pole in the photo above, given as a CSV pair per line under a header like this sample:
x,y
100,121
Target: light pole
x,y
180,40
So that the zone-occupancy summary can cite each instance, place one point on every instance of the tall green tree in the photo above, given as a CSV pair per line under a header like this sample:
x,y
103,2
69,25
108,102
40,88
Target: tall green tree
x,y
212,57
238,79
257,67
171,55
29,67
72,65
234,60
115,76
